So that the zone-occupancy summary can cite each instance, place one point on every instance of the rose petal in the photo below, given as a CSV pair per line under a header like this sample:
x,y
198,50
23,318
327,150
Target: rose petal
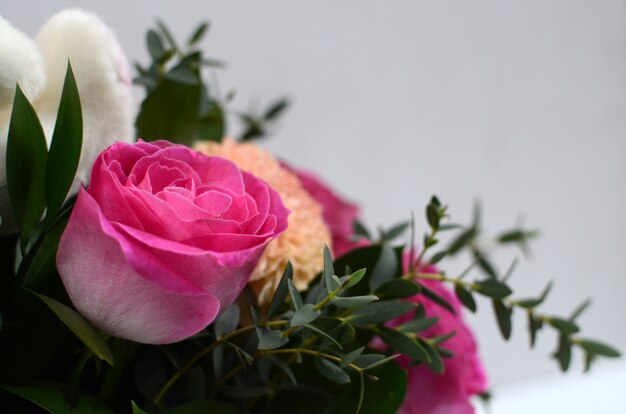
x,y
115,298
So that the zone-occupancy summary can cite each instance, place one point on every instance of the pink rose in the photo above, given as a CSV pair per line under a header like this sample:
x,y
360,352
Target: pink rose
x,y
339,214
163,239
464,375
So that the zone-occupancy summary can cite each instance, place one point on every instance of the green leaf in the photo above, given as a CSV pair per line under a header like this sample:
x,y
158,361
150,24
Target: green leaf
x,y
167,34
272,340
182,74
304,314
503,317
435,363
281,292
323,335
41,261
430,294
418,325
295,295
534,324
276,109
227,321
395,231
465,297
67,141
532,303
171,111
563,325
379,312
353,301
378,362
155,45
386,267
197,34
492,288
351,356
437,257
355,278
49,396
598,348
403,344
432,215
563,353
212,125
580,309
26,158
397,289
136,409
329,271
81,328
361,231
462,240
331,371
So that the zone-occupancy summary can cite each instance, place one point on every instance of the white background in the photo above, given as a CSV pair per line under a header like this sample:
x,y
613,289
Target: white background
x,y
519,103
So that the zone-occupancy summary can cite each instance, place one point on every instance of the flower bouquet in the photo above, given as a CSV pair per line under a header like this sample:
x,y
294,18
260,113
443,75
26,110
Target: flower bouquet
x,y
192,271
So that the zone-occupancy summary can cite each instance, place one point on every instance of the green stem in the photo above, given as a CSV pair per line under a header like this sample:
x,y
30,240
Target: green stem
x,y
219,341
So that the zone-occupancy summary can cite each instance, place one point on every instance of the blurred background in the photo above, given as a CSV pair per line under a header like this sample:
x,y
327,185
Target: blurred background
x,y
521,105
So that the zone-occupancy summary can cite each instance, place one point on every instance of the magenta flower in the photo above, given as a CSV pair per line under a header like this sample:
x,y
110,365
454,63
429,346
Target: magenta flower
x,y
464,375
163,239
339,214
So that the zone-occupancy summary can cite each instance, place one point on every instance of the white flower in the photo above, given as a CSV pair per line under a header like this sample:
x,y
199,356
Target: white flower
x,y
102,75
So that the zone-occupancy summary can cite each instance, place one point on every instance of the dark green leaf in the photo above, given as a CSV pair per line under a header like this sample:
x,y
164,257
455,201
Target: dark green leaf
x,y
361,230
563,325
281,292
492,288
276,109
378,362
386,267
49,396
26,157
503,317
418,325
65,148
397,289
465,297
598,348
380,311
437,257
395,231
155,45
182,74
353,301
432,214
462,240
81,328
435,363
437,299
517,236
167,34
580,309
532,303
306,313
197,34
563,353
227,321
212,125
136,409
485,265
403,344
534,324
331,371
343,333
272,340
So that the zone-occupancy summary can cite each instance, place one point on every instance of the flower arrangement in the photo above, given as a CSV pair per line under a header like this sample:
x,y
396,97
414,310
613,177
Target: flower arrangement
x,y
190,272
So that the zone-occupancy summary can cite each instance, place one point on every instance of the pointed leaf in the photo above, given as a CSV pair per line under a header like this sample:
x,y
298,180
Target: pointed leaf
x,y
329,272
305,314
353,301
281,292
81,328
503,317
331,371
598,348
386,267
465,297
492,288
398,288
380,311
26,159
404,344
272,340
67,141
